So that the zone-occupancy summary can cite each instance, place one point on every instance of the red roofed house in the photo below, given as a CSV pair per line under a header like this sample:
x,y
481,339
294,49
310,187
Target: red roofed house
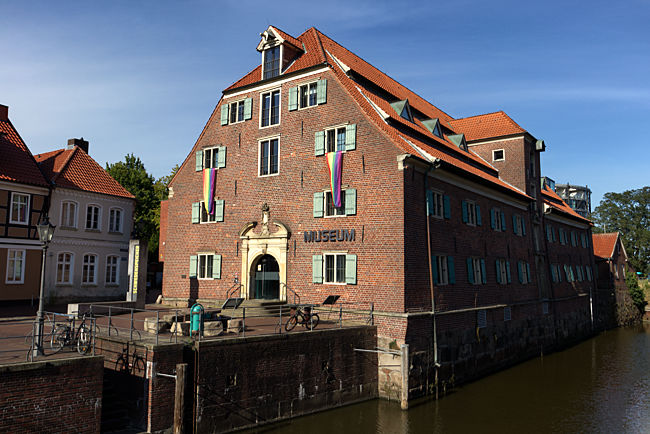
x,y
24,193
93,215
440,227
611,260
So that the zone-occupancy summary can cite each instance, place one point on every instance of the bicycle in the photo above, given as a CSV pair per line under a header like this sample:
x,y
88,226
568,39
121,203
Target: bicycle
x,y
122,363
298,316
66,334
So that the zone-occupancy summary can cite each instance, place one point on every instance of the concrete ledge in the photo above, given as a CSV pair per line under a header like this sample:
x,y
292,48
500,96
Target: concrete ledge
x,y
32,366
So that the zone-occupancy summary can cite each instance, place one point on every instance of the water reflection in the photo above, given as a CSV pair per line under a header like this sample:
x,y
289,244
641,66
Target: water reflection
x,y
599,386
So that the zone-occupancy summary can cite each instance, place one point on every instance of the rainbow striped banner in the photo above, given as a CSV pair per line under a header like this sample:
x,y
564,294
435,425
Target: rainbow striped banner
x,y
334,163
209,184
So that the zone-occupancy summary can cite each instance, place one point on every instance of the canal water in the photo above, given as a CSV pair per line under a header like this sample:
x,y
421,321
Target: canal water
x,y
598,386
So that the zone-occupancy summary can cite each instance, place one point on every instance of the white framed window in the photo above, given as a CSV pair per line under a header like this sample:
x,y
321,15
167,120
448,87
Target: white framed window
x,y
442,270
334,264
210,157
271,62
69,214
19,208
205,269
205,216
15,266
502,271
476,273
523,270
89,269
438,204
335,139
518,225
498,155
64,268
205,266
270,112
330,209
308,95
335,268
115,220
269,157
93,217
497,219
237,111
112,270
471,213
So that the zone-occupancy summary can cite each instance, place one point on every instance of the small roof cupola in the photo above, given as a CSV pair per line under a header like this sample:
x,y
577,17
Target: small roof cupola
x,y
458,140
278,50
433,125
403,109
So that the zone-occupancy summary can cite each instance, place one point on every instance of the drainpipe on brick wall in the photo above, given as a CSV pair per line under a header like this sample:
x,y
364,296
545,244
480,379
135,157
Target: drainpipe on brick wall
x,y
433,166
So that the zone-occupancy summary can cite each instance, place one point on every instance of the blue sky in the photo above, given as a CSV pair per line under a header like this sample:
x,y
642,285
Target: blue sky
x,y
144,76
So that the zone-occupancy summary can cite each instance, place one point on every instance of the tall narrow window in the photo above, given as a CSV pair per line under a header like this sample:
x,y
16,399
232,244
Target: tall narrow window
x,y
269,157
92,217
89,270
330,209
335,138
335,268
308,95
271,108
115,220
63,267
205,266
272,62
112,270
15,266
210,158
237,111
19,208
69,214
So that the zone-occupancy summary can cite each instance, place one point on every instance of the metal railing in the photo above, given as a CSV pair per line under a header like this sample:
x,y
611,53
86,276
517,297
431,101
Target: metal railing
x,y
294,293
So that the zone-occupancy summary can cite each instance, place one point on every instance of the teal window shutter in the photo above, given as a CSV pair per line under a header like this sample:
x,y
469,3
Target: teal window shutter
x,y
508,271
350,137
548,233
429,202
224,114
470,271
351,269
248,108
492,218
464,206
218,210
193,266
514,224
350,201
478,215
451,270
319,199
293,98
317,269
221,157
503,222
498,269
523,226
553,274
553,232
483,273
434,268
519,271
321,92
446,206
559,274
319,144
199,161
216,266
196,212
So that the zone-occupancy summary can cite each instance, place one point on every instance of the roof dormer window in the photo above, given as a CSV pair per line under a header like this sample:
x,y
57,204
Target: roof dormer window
x,y
433,125
458,140
402,108
272,62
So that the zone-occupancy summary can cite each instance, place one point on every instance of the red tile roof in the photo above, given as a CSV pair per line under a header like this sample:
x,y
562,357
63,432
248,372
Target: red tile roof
x,y
604,244
485,126
554,201
73,168
287,37
16,162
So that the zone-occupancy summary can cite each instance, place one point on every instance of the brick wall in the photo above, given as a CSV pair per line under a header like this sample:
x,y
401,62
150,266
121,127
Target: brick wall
x,y
62,395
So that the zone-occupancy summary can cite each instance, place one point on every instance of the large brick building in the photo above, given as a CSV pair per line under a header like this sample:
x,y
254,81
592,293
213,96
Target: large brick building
x,y
444,223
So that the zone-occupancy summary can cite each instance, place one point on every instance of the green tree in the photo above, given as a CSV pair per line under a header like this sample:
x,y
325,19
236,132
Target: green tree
x,y
629,213
638,297
133,176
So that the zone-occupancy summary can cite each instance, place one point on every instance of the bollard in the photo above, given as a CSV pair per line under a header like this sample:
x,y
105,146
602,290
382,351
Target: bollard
x,y
131,331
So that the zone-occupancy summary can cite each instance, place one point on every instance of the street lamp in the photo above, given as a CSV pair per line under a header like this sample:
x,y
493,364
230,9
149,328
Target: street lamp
x,y
45,232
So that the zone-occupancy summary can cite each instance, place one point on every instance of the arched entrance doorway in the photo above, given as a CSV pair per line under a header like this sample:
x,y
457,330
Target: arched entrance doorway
x,y
265,278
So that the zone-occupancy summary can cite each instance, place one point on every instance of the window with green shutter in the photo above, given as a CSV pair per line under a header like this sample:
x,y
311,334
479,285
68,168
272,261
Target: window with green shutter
x,y
451,269
224,114
216,267
351,137
321,91
221,157
196,212
319,143
351,269
208,266
293,98
317,269
193,266
350,201
248,109
447,206
218,210
319,200
199,160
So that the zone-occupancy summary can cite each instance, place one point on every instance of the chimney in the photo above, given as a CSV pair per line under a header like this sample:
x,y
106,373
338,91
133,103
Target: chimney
x,y
4,112
83,144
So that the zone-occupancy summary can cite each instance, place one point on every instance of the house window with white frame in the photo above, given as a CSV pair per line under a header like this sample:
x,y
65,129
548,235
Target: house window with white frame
x,y
112,270
211,158
206,217
205,270
270,113
19,208
308,95
69,214
15,266
93,213
335,139
334,267
272,62
269,157
498,155
476,273
471,213
89,270
502,271
115,220
442,270
438,204
330,209
237,111
64,268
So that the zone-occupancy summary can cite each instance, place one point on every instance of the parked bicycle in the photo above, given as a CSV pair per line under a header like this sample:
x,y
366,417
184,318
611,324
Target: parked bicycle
x,y
67,334
298,316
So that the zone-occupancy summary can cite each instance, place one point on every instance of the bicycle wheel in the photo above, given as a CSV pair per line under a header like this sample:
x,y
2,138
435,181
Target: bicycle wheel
x,y
138,365
84,339
313,322
291,323
59,337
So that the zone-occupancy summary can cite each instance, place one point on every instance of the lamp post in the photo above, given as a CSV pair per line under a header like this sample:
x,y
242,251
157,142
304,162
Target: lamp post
x,y
45,232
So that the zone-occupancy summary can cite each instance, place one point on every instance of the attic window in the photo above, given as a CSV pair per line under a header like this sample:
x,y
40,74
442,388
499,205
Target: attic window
x,y
272,62
458,140
433,125
406,114
498,155
402,108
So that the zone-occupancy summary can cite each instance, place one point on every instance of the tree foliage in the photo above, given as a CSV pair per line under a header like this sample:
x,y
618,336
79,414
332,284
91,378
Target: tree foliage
x,y
629,213
636,292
